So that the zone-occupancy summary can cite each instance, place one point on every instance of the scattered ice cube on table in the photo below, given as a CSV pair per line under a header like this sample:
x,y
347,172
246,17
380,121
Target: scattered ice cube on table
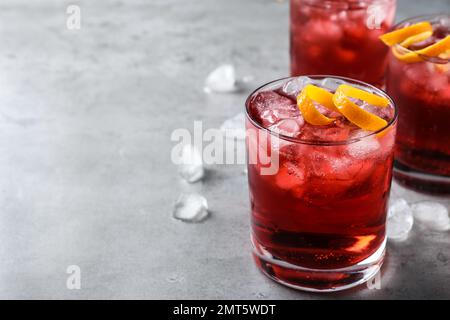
x,y
400,220
191,208
191,164
431,215
293,87
222,79
234,127
287,127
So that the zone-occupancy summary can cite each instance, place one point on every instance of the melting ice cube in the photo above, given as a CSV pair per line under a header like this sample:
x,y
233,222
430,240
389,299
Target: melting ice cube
x,y
293,87
331,83
271,107
222,79
320,30
191,208
191,164
287,127
386,113
400,220
290,175
431,215
364,148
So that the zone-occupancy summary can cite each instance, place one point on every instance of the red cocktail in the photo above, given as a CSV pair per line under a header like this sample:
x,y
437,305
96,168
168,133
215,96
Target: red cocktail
x,y
340,37
318,219
421,90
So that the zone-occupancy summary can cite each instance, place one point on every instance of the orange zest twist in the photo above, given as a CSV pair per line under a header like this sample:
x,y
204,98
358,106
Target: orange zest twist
x,y
305,102
400,35
354,113
400,40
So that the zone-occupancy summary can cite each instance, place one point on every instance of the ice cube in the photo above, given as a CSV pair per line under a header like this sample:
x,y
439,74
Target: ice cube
x,y
222,79
191,208
234,127
439,80
272,116
320,30
324,133
431,215
269,117
293,87
325,111
290,175
400,220
345,168
386,113
339,16
331,83
191,164
417,73
271,107
287,127
365,148
376,16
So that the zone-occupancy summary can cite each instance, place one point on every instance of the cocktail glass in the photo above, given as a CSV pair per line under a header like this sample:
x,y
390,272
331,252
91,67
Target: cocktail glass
x,y
421,91
340,37
318,194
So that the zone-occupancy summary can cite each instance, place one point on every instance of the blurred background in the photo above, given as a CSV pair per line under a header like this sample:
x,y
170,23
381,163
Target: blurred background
x,y
86,117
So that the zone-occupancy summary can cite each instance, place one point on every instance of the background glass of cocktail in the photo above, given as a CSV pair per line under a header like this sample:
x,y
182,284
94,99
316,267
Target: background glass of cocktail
x,y
421,91
340,37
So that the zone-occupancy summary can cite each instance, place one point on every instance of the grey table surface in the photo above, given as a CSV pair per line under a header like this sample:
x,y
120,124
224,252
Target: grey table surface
x,y
86,117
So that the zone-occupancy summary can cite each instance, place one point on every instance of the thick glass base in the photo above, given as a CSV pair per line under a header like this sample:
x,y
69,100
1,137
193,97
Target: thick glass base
x,y
420,181
317,280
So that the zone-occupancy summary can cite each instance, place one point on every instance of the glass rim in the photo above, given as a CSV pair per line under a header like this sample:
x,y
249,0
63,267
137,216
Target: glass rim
x,y
321,142
424,17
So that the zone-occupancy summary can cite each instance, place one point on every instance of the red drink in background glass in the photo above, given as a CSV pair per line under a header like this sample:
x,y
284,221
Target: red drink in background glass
x,y
421,91
318,222
340,37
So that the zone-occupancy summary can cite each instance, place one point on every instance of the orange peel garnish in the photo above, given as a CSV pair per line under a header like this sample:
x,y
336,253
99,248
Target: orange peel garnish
x,y
395,37
305,102
360,94
434,50
355,114
321,95
416,38
400,40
